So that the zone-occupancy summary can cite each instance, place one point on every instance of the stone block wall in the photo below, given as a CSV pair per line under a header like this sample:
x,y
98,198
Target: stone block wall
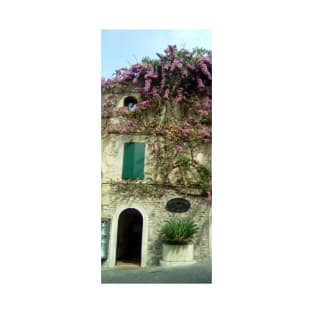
x,y
152,204
156,215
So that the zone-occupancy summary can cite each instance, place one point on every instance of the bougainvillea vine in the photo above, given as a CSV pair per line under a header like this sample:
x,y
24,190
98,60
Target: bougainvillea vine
x,y
174,111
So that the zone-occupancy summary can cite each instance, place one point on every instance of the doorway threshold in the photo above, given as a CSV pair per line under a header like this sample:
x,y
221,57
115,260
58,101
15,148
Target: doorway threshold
x,y
127,264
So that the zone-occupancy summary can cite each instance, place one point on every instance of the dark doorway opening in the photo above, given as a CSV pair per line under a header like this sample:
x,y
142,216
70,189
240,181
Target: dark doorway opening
x,y
129,238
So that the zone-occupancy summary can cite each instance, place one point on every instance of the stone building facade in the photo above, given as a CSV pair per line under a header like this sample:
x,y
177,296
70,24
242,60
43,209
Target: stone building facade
x,y
126,213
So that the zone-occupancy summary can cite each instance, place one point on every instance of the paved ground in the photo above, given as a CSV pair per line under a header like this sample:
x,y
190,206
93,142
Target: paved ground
x,y
197,273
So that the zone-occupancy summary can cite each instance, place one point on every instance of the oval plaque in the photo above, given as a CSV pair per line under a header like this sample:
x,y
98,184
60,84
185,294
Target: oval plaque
x,y
178,205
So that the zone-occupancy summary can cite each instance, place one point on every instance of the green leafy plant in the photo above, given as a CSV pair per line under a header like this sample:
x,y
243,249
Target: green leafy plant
x,y
178,232
183,160
204,172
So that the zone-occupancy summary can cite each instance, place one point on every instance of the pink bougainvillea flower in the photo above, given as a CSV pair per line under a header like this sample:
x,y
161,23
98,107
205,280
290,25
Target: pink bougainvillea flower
x,y
174,65
184,73
123,110
144,104
111,128
131,123
179,98
205,103
163,83
205,71
203,113
209,195
172,48
200,83
179,149
204,133
166,94
147,84
154,93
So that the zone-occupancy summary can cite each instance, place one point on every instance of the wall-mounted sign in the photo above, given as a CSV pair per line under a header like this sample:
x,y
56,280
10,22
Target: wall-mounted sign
x,y
178,205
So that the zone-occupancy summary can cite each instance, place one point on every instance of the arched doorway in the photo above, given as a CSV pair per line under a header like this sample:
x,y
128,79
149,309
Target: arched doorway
x,y
129,238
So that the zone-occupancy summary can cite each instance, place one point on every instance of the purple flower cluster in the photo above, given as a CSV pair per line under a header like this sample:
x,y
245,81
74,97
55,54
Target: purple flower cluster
x,y
205,71
209,195
123,110
200,83
204,133
129,124
173,71
154,92
203,108
151,74
183,131
177,63
158,130
147,85
166,94
144,104
112,128
170,49
179,149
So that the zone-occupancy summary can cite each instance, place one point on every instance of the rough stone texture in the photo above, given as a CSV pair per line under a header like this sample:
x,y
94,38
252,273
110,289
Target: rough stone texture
x,y
157,215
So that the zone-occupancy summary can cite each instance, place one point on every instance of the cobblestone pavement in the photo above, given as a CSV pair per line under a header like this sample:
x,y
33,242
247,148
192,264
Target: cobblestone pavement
x,y
197,273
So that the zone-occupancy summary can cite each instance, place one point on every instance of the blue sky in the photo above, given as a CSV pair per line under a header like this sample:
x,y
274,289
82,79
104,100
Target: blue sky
x,y
121,48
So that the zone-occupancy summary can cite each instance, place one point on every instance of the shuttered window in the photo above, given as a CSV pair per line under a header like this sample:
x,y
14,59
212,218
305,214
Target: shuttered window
x,y
134,160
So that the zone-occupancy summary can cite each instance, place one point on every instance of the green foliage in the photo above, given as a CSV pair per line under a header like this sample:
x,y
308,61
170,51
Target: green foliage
x,y
154,63
183,160
204,172
178,232
138,188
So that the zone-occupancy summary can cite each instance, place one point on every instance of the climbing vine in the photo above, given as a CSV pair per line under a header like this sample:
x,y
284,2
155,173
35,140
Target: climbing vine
x,y
174,111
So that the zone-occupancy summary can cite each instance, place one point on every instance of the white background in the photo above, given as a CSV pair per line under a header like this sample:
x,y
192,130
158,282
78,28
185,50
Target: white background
x,y
50,156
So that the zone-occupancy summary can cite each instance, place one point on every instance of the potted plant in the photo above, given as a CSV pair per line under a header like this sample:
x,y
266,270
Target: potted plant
x,y
177,248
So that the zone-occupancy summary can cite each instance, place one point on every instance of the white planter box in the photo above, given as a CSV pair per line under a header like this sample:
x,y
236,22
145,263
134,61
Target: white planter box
x,y
177,253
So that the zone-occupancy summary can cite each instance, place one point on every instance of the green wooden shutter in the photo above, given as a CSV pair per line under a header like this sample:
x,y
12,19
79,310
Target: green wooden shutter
x,y
134,160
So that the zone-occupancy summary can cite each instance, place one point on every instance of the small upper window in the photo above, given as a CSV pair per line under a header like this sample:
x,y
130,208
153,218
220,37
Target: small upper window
x,y
130,103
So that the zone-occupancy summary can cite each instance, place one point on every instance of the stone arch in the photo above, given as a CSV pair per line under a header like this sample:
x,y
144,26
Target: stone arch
x,y
129,237
113,241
